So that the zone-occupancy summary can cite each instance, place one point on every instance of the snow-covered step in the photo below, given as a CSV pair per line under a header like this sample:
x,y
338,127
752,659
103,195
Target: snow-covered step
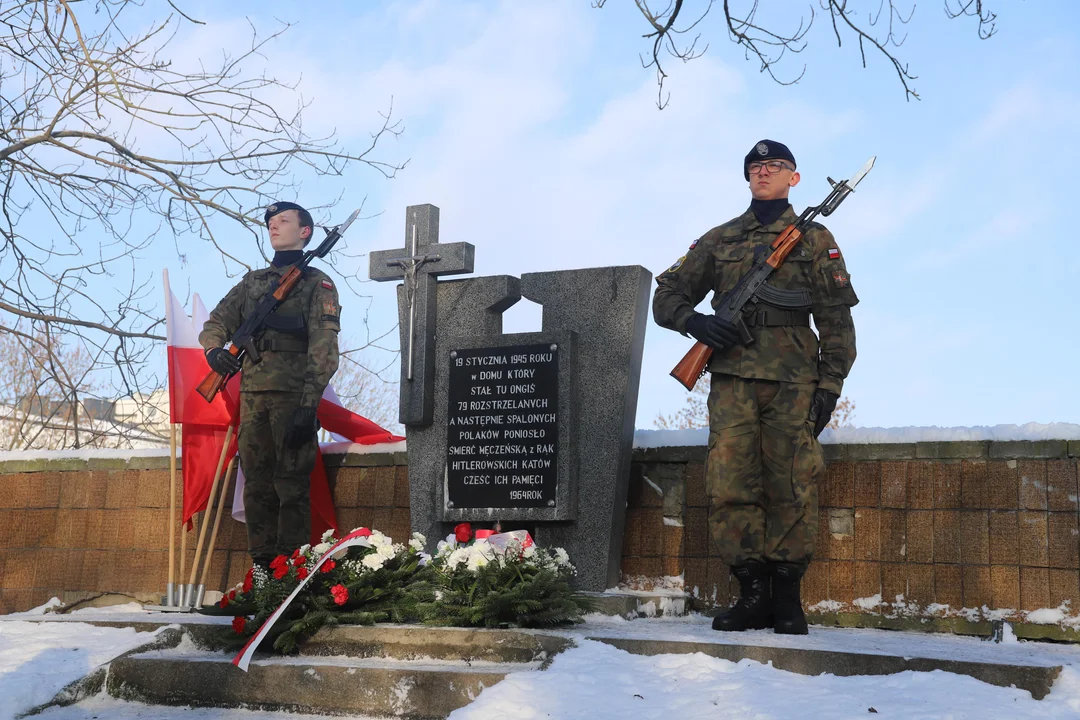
x,y
815,658
322,685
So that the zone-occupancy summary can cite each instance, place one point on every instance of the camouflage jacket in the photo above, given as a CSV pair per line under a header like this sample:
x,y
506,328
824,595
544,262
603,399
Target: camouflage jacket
x,y
300,354
721,256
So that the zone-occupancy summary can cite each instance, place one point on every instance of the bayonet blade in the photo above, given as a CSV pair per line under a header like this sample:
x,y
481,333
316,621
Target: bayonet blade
x,y
345,225
857,177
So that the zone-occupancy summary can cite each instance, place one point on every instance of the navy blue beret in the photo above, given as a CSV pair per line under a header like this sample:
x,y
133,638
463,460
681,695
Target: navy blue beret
x,y
279,207
767,150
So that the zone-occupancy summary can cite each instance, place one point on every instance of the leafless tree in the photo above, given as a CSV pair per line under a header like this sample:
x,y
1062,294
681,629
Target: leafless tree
x,y
875,26
114,142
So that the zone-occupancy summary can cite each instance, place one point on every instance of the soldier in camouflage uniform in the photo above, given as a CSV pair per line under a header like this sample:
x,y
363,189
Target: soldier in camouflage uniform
x,y
769,400
280,395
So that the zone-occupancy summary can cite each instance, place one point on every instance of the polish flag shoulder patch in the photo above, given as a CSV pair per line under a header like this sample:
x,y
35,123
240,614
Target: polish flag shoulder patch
x,y
693,244
328,285
834,253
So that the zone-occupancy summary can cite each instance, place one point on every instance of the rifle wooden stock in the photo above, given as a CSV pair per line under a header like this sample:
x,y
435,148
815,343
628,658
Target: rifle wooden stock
x,y
692,365
213,382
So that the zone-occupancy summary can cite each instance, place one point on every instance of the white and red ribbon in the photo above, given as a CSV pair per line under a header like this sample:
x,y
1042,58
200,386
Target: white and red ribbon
x,y
358,536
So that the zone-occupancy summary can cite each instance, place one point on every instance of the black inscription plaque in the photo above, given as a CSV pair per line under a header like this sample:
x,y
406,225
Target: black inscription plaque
x,y
502,427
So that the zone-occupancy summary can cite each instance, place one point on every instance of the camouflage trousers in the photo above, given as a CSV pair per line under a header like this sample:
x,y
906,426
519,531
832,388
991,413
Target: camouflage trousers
x,y
276,478
762,470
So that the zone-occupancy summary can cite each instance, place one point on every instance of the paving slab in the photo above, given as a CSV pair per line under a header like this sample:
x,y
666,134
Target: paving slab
x,y
1031,666
328,685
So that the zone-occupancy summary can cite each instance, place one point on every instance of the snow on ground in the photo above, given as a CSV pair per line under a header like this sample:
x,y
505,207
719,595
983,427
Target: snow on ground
x,y
38,659
596,681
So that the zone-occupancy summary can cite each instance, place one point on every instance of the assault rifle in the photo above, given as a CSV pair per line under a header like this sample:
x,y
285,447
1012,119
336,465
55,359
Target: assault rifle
x,y
752,287
243,343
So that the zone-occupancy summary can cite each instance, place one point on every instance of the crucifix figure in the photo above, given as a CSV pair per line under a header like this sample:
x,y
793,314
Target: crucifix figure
x,y
424,259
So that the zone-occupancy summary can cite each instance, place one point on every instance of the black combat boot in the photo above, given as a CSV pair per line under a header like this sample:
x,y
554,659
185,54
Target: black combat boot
x,y
786,603
753,609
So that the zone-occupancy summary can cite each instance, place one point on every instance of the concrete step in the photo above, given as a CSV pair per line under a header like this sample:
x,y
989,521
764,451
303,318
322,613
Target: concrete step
x,y
385,670
417,690
1035,678
412,642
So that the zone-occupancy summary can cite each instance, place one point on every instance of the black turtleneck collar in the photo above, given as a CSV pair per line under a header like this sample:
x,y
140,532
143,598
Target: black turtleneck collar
x,y
769,211
284,258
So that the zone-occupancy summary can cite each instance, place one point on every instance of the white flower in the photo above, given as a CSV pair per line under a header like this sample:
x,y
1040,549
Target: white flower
x,y
377,539
419,538
438,595
529,552
477,561
328,536
385,552
561,557
304,549
457,556
321,548
424,559
374,561
445,547
417,545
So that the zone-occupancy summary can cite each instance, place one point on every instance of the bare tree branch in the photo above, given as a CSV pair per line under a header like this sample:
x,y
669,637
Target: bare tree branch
x,y
767,44
112,143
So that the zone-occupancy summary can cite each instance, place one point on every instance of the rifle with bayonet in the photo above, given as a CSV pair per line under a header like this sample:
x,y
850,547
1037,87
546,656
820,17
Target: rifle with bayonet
x,y
752,287
243,343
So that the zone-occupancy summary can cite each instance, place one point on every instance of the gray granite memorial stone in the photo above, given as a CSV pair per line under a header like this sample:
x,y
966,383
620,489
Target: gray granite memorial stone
x,y
531,430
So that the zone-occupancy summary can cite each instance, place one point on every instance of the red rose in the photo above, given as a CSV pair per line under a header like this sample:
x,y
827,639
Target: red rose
x,y
295,554
301,573
224,602
299,561
232,594
281,571
328,566
463,532
340,593
279,562
238,624
249,579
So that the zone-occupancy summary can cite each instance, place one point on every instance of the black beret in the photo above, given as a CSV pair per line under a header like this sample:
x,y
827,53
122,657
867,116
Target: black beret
x,y
279,207
767,150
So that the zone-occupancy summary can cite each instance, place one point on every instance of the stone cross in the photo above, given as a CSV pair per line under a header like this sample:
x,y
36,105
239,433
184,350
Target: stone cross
x,y
423,260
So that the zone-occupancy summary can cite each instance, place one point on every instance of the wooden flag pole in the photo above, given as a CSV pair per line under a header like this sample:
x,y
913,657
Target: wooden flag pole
x,y
206,515
213,533
171,598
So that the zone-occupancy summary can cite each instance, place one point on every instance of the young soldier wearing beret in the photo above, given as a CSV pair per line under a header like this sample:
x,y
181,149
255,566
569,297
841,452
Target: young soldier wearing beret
x,y
279,396
768,400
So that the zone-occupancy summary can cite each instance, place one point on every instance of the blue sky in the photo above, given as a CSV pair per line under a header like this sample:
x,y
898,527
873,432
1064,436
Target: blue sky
x,y
534,128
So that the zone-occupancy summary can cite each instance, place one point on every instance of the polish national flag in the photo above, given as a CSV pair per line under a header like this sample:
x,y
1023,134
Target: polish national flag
x,y
203,424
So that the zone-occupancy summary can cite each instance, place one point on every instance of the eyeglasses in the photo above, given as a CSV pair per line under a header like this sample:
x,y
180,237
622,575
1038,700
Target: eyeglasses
x,y
773,166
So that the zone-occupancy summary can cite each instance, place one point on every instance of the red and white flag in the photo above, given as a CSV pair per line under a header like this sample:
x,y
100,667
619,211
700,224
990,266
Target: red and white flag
x,y
203,424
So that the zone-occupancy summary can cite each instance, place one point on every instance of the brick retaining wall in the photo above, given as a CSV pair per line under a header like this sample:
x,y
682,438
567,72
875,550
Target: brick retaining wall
x,y
963,524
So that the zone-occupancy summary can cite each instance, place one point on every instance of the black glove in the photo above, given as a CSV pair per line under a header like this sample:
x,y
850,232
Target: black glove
x,y
305,423
713,331
821,408
222,361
